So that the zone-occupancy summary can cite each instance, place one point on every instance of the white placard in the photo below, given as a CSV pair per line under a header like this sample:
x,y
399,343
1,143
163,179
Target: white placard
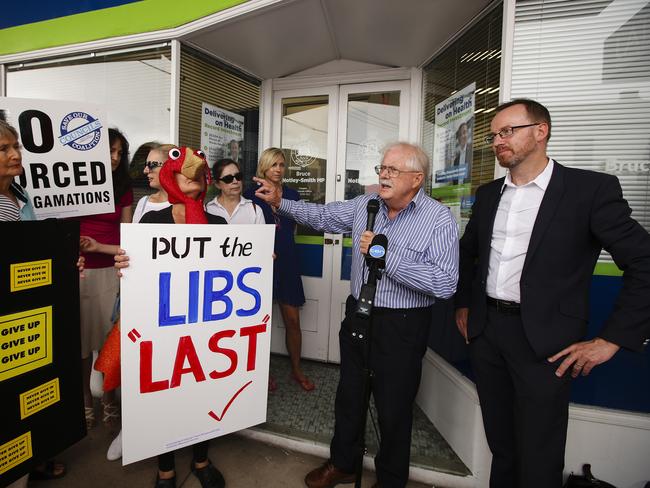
x,y
66,155
196,304
222,133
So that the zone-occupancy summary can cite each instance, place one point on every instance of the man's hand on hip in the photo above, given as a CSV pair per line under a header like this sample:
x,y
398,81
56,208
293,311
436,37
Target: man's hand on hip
x,y
581,357
461,322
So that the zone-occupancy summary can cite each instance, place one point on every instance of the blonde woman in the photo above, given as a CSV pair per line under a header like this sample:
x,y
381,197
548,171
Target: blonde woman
x,y
287,284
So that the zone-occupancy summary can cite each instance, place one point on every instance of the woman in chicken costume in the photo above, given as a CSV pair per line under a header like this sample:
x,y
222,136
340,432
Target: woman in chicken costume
x,y
185,177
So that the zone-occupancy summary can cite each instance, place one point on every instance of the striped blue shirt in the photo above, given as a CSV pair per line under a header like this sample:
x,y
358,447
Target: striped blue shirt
x,y
422,253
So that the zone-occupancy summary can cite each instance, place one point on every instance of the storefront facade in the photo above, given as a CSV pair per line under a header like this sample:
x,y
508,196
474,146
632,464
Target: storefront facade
x,y
332,82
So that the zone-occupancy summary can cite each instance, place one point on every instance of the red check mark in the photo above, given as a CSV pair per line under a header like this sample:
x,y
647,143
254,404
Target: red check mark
x,y
220,418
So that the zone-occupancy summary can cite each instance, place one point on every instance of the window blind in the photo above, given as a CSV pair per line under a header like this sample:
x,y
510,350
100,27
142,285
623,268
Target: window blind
x,y
588,61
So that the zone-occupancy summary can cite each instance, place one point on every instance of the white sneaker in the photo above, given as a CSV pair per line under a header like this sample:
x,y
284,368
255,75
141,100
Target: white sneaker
x,y
115,449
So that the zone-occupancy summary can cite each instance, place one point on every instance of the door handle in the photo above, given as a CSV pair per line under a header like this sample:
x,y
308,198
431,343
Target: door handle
x,y
328,242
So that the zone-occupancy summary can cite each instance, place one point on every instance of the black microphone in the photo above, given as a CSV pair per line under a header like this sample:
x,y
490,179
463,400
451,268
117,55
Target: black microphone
x,y
377,251
376,261
373,208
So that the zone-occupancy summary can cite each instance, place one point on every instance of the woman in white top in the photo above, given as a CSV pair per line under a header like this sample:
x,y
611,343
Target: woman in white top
x,y
229,203
157,201
157,156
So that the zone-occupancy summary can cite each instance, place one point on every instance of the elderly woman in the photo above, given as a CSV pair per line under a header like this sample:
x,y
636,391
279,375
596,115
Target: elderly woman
x,y
15,205
14,201
229,202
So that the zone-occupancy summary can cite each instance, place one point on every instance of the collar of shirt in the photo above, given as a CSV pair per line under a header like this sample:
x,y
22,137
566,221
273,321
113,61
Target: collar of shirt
x,y
413,203
242,201
541,180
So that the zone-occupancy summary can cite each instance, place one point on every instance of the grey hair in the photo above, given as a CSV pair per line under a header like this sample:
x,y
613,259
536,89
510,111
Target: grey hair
x,y
6,129
417,159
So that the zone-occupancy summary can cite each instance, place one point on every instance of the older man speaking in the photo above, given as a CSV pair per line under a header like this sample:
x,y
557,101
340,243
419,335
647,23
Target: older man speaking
x,y
421,264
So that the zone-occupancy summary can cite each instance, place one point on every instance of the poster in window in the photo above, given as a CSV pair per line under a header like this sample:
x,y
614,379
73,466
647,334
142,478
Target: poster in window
x,y
453,151
222,134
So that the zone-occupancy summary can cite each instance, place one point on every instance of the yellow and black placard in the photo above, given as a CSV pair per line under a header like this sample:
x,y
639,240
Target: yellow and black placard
x,y
40,347
31,275
15,451
38,398
25,341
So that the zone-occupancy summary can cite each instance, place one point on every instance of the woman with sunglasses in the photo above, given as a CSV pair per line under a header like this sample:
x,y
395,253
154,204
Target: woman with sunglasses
x,y
229,202
156,201
287,284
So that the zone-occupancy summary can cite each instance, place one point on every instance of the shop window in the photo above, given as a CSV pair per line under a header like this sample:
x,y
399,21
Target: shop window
x,y
134,88
219,112
589,63
461,91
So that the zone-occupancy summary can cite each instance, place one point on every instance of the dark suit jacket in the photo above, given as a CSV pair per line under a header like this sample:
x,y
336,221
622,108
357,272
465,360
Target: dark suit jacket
x,y
581,213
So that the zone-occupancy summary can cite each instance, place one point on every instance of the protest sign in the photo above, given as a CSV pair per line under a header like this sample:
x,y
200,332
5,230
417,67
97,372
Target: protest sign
x,y
195,333
66,156
40,348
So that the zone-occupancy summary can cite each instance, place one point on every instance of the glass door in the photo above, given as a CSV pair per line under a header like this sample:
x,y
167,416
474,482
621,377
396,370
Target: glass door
x,y
370,115
304,126
332,138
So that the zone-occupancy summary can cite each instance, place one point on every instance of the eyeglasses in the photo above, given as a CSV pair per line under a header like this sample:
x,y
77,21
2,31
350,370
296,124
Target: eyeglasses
x,y
230,178
506,132
391,171
153,164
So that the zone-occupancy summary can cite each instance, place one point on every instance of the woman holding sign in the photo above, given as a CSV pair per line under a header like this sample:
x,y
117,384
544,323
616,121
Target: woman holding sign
x,y
157,201
15,205
185,177
287,284
100,238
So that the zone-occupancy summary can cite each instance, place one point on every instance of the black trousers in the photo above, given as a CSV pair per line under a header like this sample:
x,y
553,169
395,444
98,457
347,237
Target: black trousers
x,y
199,454
398,343
525,406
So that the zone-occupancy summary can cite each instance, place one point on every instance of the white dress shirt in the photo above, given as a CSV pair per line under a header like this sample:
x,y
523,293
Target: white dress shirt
x,y
245,212
513,226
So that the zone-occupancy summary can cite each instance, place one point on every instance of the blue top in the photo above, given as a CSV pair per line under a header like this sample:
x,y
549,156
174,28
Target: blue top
x,y
422,251
287,284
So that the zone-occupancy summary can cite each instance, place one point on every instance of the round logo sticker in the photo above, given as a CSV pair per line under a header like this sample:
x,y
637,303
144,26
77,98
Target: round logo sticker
x,y
80,131
377,251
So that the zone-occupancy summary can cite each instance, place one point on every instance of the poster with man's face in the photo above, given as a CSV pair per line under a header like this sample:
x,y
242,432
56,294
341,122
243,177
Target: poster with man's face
x,y
222,133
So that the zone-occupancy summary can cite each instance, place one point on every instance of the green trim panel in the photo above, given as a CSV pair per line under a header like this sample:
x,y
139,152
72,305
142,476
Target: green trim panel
x,y
132,18
607,269
318,240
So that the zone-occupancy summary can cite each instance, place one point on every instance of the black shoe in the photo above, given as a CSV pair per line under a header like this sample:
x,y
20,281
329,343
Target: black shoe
x,y
209,476
168,483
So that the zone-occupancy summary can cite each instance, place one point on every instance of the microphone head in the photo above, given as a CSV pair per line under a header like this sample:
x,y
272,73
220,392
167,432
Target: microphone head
x,y
377,251
373,206
378,246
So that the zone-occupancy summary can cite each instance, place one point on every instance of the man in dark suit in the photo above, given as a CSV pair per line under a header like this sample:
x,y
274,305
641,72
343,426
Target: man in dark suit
x,y
526,262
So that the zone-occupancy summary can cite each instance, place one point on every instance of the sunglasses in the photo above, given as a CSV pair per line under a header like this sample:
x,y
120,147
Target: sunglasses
x,y
152,164
230,178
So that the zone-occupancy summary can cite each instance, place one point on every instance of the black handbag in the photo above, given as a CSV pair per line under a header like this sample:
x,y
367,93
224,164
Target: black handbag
x,y
586,480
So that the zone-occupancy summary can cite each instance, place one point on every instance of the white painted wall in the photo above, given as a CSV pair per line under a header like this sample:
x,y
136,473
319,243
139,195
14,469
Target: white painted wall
x,y
615,443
